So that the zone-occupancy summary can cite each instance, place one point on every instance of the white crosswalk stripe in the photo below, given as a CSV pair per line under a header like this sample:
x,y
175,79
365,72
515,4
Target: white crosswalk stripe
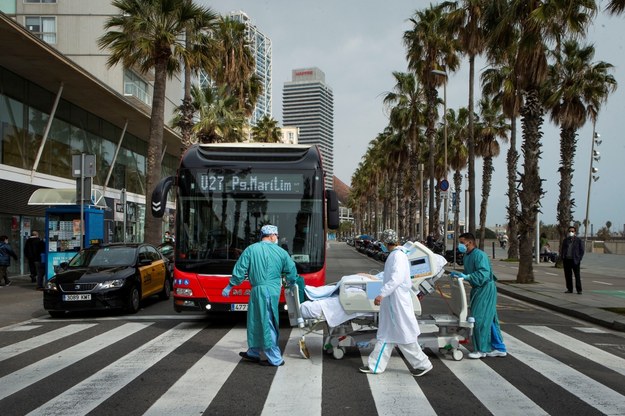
x,y
219,362
11,351
87,395
590,352
37,371
297,387
592,392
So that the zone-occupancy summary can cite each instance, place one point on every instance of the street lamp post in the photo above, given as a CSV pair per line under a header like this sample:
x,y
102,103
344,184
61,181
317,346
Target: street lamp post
x,y
421,217
446,214
594,157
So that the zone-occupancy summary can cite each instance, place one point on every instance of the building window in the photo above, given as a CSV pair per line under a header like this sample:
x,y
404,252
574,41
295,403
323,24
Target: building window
x,y
39,1
134,86
43,27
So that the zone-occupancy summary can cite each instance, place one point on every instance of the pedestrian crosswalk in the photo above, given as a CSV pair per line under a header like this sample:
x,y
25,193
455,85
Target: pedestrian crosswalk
x,y
170,367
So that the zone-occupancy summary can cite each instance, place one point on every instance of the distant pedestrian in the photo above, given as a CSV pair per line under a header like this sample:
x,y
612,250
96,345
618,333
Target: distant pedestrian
x,y
6,252
571,253
33,249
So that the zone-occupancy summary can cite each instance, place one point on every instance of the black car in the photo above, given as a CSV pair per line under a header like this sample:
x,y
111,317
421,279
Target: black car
x,y
111,276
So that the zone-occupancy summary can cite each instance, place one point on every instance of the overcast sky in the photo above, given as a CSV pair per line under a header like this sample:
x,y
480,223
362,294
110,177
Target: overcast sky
x,y
358,44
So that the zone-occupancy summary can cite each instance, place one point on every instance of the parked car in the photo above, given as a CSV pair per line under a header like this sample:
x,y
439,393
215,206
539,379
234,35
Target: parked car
x,y
167,250
111,276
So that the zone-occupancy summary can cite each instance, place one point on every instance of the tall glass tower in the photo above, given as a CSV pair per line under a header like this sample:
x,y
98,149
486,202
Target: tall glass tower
x,y
260,45
308,103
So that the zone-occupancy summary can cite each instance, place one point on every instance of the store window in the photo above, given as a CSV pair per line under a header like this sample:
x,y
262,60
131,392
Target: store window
x,y
42,26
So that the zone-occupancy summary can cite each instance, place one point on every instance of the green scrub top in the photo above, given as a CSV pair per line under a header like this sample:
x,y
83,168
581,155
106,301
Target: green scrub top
x,y
264,263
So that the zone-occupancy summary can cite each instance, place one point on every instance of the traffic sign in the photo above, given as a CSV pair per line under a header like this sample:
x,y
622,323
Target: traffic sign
x,y
444,185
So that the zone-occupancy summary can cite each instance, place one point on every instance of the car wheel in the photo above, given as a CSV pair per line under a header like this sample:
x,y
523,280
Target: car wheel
x,y
57,314
134,299
166,292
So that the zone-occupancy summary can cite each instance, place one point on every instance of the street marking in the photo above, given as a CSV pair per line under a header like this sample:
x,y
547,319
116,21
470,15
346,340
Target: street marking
x,y
587,351
90,393
603,283
590,330
21,328
290,382
186,318
11,351
28,375
585,388
396,391
219,362
489,387
552,274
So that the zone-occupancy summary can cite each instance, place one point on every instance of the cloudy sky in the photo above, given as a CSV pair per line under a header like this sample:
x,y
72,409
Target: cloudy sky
x,y
358,44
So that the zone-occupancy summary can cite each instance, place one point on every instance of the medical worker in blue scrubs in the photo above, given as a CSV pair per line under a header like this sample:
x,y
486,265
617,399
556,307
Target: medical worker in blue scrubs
x,y
487,339
264,263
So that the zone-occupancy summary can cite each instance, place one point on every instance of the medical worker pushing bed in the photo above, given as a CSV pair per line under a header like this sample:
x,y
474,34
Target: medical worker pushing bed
x,y
397,322
263,263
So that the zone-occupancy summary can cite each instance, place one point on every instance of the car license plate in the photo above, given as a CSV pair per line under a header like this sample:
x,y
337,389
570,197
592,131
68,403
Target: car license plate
x,y
239,307
77,297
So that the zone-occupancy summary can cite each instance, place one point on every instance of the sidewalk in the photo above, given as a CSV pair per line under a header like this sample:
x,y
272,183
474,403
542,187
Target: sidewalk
x,y
20,301
603,282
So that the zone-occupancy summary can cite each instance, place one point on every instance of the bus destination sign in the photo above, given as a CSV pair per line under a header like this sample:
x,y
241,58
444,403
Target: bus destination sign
x,y
275,183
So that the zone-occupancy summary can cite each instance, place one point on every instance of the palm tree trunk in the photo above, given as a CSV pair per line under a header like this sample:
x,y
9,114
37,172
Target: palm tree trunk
x,y
152,225
512,159
487,175
471,146
430,133
458,188
568,145
186,124
531,184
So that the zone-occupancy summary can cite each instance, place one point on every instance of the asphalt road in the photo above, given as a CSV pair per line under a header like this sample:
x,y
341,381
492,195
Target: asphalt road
x,y
159,362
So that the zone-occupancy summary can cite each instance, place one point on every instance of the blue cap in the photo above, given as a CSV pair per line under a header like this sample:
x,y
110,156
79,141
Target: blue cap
x,y
268,230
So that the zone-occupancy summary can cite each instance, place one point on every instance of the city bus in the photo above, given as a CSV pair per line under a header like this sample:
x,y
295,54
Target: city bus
x,y
224,194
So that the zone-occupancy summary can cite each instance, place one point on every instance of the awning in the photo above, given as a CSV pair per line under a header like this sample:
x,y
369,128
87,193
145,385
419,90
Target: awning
x,y
65,197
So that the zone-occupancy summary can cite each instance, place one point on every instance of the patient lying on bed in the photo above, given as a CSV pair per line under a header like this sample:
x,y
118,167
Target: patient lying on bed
x,y
324,301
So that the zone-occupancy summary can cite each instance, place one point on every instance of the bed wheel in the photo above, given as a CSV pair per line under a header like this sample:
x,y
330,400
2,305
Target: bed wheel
x,y
457,355
338,353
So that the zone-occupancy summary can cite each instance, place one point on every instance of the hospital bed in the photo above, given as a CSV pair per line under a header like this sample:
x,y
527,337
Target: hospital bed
x,y
354,316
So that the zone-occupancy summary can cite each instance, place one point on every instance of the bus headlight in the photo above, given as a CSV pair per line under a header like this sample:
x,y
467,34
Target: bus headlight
x,y
184,291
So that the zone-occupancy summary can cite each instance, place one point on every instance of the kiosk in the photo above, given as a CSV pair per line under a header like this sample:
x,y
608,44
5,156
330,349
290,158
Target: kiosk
x,y
63,227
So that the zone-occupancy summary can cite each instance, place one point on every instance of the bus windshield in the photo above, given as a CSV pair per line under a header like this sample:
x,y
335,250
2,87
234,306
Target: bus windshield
x,y
220,212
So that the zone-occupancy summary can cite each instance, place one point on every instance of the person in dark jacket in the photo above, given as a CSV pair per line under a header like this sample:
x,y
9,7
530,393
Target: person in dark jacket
x,y
6,252
571,253
33,248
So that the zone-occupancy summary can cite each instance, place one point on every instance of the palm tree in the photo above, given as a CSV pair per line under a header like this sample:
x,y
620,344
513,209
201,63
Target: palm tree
x,y
499,83
430,48
236,66
149,35
406,103
266,130
616,6
492,126
458,156
465,20
577,89
219,117
533,19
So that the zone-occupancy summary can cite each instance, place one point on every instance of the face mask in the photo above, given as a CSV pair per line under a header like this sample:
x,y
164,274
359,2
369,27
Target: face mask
x,y
571,234
462,248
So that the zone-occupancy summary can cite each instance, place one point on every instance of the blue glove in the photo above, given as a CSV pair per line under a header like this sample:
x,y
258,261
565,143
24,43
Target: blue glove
x,y
226,292
458,275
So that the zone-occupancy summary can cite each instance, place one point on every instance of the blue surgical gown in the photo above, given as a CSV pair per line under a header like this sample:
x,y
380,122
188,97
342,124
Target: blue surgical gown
x,y
264,263
483,301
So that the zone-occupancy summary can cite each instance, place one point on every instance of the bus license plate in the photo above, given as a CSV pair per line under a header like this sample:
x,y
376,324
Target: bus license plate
x,y
76,297
239,307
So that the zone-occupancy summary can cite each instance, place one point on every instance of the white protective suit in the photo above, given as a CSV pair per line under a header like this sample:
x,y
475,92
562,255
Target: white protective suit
x,y
397,322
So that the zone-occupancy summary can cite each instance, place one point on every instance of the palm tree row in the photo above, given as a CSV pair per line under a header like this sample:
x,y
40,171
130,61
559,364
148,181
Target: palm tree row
x,y
536,64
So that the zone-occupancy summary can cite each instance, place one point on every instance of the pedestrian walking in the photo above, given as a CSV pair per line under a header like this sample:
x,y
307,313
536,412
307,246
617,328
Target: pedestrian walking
x,y
6,252
398,325
33,249
571,253
263,263
487,339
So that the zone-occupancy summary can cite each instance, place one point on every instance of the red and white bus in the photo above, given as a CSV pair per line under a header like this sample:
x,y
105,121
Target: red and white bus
x,y
224,194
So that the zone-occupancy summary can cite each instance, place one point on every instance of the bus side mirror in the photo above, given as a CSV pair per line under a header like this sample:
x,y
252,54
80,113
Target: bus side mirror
x,y
332,209
159,196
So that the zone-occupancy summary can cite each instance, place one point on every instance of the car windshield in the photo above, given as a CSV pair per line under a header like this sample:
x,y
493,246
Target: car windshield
x,y
105,257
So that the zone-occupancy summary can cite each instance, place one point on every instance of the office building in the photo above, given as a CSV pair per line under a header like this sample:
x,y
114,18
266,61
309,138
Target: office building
x,y
308,103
